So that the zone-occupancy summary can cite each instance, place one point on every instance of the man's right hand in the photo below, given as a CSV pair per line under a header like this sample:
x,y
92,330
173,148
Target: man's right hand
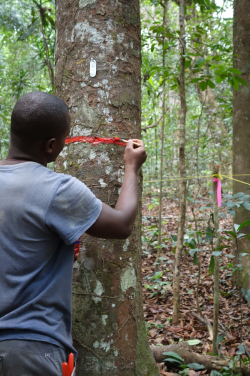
x,y
118,223
134,156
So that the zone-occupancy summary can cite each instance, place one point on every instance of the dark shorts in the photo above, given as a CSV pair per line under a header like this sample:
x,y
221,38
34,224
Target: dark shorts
x,y
31,358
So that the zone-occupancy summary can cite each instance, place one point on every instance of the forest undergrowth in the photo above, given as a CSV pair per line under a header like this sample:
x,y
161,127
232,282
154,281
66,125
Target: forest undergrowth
x,y
234,316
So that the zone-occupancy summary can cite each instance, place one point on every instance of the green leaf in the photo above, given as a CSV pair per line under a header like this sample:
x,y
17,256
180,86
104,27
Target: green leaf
x,y
191,242
246,294
236,227
240,235
194,80
211,84
219,79
174,355
192,252
193,342
220,338
234,70
241,80
209,235
235,84
216,253
187,63
241,350
151,81
195,259
203,85
246,223
174,237
30,30
230,204
157,275
150,207
196,366
211,266
172,360
215,373
200,61
246,205
231,233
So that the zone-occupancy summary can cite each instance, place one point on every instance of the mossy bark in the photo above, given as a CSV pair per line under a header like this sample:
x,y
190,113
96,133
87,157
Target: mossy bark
x,y
108,324
241,128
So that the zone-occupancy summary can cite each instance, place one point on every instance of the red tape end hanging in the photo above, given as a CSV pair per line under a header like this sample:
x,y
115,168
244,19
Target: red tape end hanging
x,y
94,140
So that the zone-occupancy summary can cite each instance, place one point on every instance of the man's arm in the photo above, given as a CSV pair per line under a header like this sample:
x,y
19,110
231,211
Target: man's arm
x,y
118,223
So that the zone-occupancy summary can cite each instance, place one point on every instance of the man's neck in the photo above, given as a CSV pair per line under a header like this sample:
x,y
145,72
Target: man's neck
x,y
16,156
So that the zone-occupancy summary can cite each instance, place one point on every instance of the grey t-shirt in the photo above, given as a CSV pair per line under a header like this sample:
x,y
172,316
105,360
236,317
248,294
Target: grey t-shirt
x,y
42,214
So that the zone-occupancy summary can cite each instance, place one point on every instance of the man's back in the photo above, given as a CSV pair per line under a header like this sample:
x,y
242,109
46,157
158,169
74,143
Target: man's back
x,y
41,215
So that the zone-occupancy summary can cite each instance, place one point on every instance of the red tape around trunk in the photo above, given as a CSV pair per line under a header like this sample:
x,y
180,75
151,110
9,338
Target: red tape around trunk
x,y
94,140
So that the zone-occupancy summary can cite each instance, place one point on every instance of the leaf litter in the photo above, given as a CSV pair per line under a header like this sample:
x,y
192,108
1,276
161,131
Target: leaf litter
x,y
158,295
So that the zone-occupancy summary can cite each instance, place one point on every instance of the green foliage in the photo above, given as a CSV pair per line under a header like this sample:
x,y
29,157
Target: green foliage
x,y
22,56
196,366
158,285
239,200
193,342
173,357
246,294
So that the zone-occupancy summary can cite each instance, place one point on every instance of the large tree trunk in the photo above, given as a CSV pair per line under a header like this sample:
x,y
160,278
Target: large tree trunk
x,y
241,125
183,184
108,324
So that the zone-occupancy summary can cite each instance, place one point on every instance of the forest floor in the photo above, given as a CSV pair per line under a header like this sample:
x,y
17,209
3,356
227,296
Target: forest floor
x,y
158,298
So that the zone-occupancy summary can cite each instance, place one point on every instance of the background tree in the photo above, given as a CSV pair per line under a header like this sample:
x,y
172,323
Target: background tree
x,y
183,183
241,129
108,324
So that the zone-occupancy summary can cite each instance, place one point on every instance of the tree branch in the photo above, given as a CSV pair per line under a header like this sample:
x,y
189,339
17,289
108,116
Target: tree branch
x,y
158,121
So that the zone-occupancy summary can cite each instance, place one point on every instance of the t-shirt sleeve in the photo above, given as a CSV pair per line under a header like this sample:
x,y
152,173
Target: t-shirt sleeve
x,y
73,209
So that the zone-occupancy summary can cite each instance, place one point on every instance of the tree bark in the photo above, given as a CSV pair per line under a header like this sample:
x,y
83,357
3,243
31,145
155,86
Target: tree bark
x,y
241,129
108,324
209,362
159,250
183,184
216,265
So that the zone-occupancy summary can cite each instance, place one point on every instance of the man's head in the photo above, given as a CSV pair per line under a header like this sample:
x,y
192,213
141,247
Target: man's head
x,y
40,118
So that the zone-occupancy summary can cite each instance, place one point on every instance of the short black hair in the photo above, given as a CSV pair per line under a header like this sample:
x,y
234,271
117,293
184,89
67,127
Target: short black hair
x,y
39,116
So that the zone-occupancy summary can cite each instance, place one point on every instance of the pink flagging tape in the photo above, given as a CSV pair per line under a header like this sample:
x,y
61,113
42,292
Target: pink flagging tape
x,y
218,191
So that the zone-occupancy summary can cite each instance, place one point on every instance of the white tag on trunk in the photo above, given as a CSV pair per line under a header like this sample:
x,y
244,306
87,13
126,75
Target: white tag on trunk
x,y
92,68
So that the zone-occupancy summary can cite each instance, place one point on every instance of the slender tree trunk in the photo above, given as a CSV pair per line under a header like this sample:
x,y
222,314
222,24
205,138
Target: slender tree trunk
x,y
183,187
216,266
165,9
241,129
108,324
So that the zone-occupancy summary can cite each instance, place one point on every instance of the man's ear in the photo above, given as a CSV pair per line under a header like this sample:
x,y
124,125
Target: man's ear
x,y
49,147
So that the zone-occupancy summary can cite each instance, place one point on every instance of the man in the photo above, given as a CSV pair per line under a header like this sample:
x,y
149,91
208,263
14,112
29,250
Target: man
x,y
42,214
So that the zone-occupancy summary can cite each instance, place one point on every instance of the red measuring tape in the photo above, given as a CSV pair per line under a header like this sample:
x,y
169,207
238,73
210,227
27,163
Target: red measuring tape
x,y
94,140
